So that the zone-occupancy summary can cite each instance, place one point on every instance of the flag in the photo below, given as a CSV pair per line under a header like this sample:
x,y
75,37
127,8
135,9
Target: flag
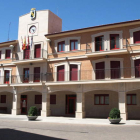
x,y
24,43
28,45
31,41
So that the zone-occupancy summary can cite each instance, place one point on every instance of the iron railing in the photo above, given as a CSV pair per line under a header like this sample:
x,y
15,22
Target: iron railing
x,y
30,54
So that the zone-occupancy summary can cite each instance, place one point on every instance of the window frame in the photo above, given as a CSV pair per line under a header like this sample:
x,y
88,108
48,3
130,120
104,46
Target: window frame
x,y
61,43
6,54
95,95
73,40
99,41
115,48
131,98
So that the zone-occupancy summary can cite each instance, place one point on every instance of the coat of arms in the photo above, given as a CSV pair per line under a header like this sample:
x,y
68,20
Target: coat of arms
x,y
33,13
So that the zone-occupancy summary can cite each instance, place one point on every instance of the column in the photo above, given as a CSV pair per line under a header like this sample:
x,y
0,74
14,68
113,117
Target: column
x,y
16,102
80,105
45,104
122,105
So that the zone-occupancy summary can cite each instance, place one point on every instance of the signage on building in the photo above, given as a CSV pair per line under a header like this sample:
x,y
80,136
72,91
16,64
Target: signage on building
x,y
33,13
29,88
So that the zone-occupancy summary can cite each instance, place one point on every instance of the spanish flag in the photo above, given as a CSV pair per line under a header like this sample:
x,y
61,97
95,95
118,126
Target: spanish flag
x,y
24,44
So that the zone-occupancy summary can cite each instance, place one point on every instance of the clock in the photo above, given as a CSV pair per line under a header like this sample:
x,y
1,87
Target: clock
x,y
32,29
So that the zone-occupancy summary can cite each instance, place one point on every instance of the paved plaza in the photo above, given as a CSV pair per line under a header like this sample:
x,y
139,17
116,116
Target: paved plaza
x,y
59,128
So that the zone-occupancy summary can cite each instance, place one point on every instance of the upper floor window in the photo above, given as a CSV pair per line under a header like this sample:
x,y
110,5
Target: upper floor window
x,y
37,51
100,70
102,99
61,46
114,41
73,45
60,73
37,74
73,72
27,53
26,75
7,55
115,69
99,43
136,36
6,76
131,99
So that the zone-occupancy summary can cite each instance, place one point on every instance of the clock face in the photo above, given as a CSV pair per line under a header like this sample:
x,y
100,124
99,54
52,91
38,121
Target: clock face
x,y
32,29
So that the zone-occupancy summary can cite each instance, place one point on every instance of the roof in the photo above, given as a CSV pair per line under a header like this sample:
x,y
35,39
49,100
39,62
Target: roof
x,y
9,42
90,28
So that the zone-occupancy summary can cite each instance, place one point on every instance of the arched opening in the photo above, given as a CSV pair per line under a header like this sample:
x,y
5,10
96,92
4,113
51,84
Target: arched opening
x,y
63,103
133,104
98,103
28,99
6,100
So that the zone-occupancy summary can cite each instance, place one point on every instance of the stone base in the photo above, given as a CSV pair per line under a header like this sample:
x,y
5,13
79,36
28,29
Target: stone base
x,y
124,116
16,111
80,115
45,113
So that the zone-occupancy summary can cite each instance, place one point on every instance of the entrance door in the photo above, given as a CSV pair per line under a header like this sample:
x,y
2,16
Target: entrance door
x,y
26,75
23,104
70,104
37,51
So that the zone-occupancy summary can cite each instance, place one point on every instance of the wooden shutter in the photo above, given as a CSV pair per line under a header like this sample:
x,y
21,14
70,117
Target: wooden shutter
x,y
38,99
136,36
60,73
73,72
37,74
115,69
100,70
8,52
52,99
137,68
6,76
37,51
3,98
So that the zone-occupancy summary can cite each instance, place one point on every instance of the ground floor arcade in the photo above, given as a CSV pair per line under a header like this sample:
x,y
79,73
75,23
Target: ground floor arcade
x,y
80,101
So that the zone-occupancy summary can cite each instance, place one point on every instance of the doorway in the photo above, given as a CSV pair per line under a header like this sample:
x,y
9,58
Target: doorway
x,y
70,104
23,104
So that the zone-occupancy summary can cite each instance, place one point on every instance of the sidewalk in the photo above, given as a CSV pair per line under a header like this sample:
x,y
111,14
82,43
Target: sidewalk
x,y
68,120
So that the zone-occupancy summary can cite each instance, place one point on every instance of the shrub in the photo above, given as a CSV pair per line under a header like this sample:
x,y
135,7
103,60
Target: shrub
x,y
114,113
32,111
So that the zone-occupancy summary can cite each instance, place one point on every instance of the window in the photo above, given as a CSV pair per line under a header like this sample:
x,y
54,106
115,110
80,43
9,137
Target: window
x,y
37,74
37,51
60,73
73,72
136,36
73,45
27,53
38,99
99,43
131,99
114,41
8,52
137,68
61,46
100,70
115,69
102,99
52,99
3,98
26,75
0,54
6,76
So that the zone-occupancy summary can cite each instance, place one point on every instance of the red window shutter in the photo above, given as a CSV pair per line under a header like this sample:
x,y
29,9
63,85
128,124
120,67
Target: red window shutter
x,y
73,72
52,99
37,74
0,54
115,69
60,73
136,36
137,68
26,75
8,52
6,76
3,98
37,51
100,70
38,99
27,53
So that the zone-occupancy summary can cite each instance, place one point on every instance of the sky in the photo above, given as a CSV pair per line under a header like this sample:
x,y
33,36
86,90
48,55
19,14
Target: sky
x,y
75,14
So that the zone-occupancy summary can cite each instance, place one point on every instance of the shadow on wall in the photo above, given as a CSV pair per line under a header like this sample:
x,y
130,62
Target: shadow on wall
x,y
11,134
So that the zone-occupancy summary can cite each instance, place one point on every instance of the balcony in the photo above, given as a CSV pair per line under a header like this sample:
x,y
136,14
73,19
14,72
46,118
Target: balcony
x,y
30,56
102,48
94,76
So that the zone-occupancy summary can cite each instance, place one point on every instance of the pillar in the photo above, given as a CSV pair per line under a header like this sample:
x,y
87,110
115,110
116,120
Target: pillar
x,y
16,102
45,104
80,105
122,105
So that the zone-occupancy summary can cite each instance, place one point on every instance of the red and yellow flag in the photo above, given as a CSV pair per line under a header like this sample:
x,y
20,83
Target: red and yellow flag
x,y
24,44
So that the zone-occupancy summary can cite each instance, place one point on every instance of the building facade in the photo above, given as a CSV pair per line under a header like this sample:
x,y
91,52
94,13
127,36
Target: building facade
x,y
78,73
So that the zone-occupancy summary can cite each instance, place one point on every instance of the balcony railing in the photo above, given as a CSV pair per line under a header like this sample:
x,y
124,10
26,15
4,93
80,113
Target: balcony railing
x,y
30,54
84,75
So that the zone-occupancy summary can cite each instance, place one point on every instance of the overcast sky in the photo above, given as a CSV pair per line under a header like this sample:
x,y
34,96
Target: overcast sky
x,y
74,13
